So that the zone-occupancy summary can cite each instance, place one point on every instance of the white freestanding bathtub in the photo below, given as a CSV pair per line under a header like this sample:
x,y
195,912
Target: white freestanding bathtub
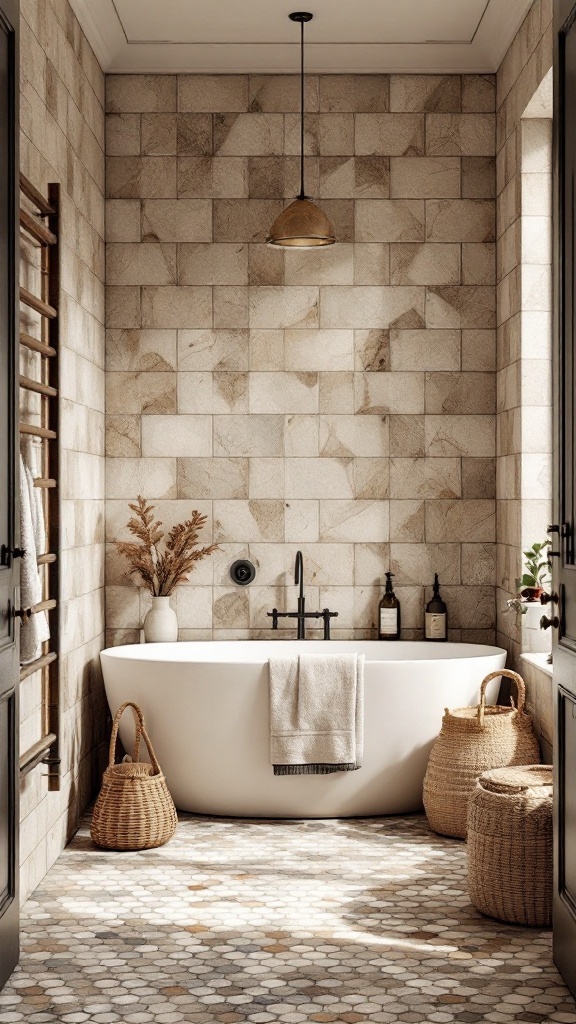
x,y
206,710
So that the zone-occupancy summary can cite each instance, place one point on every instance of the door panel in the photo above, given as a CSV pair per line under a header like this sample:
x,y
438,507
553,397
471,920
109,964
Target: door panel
x,y
9,567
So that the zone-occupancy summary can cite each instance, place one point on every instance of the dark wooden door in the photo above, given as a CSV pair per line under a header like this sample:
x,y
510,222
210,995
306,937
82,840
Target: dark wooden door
x,y
9,565
563,531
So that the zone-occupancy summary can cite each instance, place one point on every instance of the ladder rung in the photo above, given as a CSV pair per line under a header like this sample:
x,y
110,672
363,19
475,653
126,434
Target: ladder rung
x,y
35,303
36,228
35,196
34,666
35,385
29,428
46,559
37,346
44,606
42,481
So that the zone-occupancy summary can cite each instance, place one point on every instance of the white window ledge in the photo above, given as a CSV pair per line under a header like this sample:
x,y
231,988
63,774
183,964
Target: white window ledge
x,y
540,661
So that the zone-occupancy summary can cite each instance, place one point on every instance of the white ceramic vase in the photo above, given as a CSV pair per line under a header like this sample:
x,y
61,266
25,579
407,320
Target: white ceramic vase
x,y
160,623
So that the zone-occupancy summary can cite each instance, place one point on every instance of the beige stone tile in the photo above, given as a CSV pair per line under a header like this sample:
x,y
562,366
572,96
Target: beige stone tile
x,y
342,213
425,478
424,350
459,392
266,478
213,350
415,563
460,135
230,608
123,307
478,478
140,264
249,436
478,177
141,350
212,478
195,392
229,392
123,134
371,478
123,437
336,134
393,220
432,177
141,177
319,478
536,288
479,564
349,436
536,145
315,267
158,134
536,194
355,93
178,307
178,436
424,93
194,134
429,263
238,134
292,126
126,478
301,436
460,435
283,392
371,177
478,93
230,306
367,307
407,521
407,436
141,393
301,521
478,263
267,350
265,265
125,93
194,606
219,177
257,520
354,521
471,607
176,220
460,520
389,393
370,563
389,134
306,350
122,220
281,93
372,350
371,263
213,263
470,306
336,391
273,307
212,93
336,177
244,220
459,220
267,177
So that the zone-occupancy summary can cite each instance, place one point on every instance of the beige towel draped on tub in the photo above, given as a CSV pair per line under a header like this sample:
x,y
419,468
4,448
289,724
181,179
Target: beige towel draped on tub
x,y
316,713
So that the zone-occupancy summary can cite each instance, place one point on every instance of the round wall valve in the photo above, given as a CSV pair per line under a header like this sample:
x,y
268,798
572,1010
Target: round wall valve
x,y
242,572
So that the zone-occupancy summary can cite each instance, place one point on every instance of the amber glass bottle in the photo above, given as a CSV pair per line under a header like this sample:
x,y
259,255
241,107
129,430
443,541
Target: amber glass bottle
x,y
436,615
389,613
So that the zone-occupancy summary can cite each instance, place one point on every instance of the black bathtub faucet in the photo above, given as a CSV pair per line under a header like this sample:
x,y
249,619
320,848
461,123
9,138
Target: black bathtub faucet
x,y
301,615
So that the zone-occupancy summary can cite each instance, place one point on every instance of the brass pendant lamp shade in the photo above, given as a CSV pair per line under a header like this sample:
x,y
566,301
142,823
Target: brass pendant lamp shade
x,y
302,225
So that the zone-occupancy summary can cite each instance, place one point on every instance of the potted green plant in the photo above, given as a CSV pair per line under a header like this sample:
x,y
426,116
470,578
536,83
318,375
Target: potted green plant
x,y
536,576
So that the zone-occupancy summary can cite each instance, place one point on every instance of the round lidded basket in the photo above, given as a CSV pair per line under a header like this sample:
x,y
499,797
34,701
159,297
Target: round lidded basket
x,y
473,740
510,860
134,810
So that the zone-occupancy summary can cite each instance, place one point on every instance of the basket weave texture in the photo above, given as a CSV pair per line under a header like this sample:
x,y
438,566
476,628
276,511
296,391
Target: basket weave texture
x,y
134,810
472,741
510,845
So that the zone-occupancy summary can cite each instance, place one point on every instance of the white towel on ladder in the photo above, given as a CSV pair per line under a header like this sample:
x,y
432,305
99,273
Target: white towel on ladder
x,y
35,630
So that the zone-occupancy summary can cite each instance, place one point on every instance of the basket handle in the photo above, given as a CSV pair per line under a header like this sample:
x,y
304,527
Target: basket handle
x,y
140,733
520,687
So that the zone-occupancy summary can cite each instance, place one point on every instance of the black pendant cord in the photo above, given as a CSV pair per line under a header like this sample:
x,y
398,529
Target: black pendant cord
x,y
302,194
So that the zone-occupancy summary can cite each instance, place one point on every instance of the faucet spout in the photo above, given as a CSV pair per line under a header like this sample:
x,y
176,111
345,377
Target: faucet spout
x,y
299,573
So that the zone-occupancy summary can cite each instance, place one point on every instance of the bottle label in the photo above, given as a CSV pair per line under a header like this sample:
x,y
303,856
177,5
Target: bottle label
x,y
435,626
388,621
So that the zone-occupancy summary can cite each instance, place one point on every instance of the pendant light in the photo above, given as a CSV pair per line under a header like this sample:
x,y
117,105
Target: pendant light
x,y
302,225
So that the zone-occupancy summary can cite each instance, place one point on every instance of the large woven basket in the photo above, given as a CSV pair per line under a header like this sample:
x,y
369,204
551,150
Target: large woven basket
x,y
471,741
510,845
134,810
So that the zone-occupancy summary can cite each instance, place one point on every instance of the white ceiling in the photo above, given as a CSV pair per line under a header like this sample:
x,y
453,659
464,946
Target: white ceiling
x,y
224,36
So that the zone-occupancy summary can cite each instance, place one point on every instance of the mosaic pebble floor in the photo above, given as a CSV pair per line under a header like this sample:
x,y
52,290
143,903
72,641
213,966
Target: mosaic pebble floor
x,y
344,920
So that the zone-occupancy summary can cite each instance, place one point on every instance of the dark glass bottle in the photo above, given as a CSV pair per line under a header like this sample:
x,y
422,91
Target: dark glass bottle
x,y
436,615
389,613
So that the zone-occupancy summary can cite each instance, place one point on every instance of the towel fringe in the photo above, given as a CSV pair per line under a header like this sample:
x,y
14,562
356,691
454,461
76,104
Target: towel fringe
x,y
314,769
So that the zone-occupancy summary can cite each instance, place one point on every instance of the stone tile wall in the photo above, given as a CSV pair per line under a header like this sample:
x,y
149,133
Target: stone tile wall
x,y
341,401
62,140
523,208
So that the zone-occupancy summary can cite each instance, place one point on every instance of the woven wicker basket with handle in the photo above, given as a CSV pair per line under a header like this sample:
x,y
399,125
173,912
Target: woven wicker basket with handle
x,y
134,810
472,741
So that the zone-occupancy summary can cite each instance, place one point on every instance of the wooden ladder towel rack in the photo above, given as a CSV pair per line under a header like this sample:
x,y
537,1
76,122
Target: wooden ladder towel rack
x,y
40,226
